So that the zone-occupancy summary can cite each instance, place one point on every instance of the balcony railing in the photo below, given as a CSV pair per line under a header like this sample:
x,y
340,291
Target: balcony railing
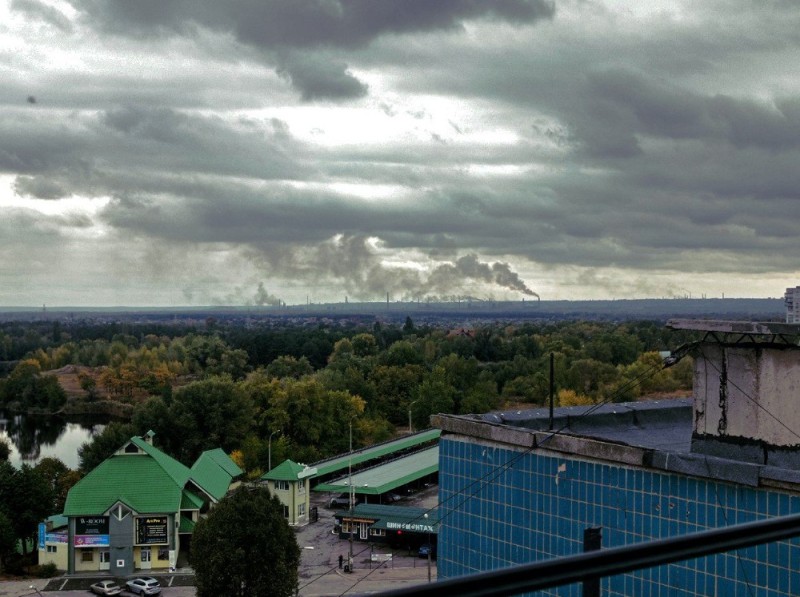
x,y
593,565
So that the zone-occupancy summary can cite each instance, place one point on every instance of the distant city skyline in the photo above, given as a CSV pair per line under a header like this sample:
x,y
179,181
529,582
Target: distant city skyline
x,y
180,154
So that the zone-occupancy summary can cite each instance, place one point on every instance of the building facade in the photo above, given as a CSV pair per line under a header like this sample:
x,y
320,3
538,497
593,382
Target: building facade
x,y
399,526
791,299
514,492
136,510
290,483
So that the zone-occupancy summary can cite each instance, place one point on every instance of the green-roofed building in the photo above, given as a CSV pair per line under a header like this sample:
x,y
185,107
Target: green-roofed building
x,y
137,509
290,482
397,525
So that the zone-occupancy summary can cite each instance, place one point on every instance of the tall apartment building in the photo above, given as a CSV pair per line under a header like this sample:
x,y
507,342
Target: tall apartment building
x,y
792,301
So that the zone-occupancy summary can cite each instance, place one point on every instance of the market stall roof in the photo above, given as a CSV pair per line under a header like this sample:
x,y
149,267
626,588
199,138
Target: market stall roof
x,y
385,477
341,463
396,518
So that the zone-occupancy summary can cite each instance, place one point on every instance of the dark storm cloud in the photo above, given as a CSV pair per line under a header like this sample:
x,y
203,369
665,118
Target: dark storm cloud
x,y
317,77
43,12
493,138
287,30
133,149
39,187
636,104
276,24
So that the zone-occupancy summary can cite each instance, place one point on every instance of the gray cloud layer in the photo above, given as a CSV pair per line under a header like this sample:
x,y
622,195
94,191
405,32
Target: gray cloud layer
x,y
451,148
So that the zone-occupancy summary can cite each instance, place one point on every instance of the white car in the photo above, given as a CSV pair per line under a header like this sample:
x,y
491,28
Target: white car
x,y
144,586
106,587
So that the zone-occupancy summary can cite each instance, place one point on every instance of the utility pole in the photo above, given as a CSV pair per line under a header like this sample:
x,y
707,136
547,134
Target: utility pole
x,y
552,389
269,446
430,548
352,496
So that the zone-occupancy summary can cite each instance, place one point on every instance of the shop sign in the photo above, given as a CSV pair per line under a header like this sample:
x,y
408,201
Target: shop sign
x,y
151,530
410,526
91,541
91,525
56,538
91,531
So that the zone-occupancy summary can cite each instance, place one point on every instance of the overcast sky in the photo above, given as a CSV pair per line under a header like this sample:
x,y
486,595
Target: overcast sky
x,y
198,152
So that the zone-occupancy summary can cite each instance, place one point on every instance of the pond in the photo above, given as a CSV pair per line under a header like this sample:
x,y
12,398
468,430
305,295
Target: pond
x,y
33,437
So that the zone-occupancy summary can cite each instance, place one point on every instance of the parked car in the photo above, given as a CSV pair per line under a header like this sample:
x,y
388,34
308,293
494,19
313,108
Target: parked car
x,y
144,586
425,549
105,587
343,501
391,497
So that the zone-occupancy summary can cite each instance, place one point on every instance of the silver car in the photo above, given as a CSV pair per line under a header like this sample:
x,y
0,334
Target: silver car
x,y
105,587
144,586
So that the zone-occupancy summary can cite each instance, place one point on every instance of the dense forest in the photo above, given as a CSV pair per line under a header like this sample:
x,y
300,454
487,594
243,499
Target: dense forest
x,y
235,387
296,390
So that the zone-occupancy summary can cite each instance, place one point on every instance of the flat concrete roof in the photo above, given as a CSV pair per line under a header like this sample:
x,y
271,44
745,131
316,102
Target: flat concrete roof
x,y
650,434
342,462
657,424
388,476
748,328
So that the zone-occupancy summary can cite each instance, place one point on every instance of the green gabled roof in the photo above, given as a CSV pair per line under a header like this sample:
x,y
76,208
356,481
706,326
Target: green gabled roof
x,y
186,526
146,482
285,471
191,501
224,461
137,480
179,472
213,473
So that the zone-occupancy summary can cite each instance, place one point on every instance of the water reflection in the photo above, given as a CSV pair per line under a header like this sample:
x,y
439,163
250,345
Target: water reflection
x,y
33,437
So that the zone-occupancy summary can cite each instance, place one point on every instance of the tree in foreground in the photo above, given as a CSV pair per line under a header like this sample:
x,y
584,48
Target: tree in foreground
x,y
245,547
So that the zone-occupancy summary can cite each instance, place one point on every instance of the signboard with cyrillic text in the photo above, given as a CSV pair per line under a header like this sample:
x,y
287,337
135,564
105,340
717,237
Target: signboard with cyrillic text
x,y
91,531
151,530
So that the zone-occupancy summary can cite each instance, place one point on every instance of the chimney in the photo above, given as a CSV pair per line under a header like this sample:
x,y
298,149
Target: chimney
x,y
746,376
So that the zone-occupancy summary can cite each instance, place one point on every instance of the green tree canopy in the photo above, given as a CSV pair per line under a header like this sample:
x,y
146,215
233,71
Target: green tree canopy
x,y
8,541
208,414
245,547
104,445
26,498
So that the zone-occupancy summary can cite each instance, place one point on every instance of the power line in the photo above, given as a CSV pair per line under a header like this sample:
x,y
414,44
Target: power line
x,y
495,473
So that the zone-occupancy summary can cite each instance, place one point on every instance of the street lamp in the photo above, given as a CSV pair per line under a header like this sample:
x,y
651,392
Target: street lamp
x,y
269,445
410,426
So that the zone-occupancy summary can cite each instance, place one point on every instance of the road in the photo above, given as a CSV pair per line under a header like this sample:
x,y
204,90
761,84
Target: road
x,y
319,565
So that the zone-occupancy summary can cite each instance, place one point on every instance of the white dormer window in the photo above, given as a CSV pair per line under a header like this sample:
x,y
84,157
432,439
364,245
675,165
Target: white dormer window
x,y
282,485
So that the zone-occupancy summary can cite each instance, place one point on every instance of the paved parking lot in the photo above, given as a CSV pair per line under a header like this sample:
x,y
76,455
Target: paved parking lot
x,y
320,550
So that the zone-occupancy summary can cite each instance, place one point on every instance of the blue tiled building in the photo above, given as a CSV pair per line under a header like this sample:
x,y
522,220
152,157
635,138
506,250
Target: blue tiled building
x,y
512,492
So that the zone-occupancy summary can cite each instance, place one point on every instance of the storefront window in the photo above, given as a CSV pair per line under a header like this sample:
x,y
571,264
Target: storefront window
x,y
87,555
